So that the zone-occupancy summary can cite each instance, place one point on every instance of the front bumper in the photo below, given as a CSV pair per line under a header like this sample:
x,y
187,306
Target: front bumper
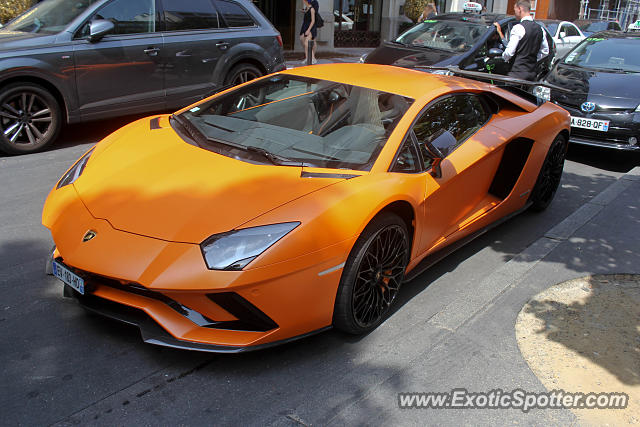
x,y
170,289
622,126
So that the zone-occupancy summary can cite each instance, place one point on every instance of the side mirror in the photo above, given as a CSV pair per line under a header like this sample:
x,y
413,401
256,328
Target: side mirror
x,y
99,28
563,35
439,149
495,52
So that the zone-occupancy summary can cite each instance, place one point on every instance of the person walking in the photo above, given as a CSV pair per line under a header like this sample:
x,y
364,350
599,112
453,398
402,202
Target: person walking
x,y
429,12
527,43
309,31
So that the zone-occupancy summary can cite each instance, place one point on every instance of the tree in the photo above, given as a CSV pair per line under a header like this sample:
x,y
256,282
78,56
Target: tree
x,y
9,9
413,8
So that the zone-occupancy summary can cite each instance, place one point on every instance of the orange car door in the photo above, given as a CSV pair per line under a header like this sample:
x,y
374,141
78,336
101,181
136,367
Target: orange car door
x,y
454,124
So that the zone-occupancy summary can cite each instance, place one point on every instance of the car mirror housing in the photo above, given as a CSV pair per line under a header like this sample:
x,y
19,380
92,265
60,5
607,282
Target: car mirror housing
x,y
99,28
438,147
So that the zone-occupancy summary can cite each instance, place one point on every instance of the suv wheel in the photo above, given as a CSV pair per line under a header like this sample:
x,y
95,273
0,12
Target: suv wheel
x,y
30,118
242,73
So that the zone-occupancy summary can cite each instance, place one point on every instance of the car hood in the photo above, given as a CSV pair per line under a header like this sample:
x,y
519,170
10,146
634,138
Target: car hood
x,y
408,57
607,89
152,183
19,39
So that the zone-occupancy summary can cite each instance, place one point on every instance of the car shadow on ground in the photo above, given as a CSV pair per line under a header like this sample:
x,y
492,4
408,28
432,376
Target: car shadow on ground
x,y
602,158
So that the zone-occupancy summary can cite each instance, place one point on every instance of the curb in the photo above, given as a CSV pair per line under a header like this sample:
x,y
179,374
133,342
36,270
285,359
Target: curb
x,y
460,312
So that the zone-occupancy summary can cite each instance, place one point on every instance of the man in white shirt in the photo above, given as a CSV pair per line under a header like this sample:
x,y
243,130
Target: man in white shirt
x,y
527,43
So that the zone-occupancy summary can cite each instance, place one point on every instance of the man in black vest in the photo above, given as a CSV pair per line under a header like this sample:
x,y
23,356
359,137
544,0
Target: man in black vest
x,y
527,43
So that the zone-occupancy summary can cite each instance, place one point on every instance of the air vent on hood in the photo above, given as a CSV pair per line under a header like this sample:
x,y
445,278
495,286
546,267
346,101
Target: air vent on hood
x,y
155,123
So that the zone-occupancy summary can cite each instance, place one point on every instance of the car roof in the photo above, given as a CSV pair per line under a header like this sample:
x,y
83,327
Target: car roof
x,y
550,21
387,78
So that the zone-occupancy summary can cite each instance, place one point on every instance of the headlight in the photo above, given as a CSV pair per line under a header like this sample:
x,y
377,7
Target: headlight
x,y
235,249
543,93
75,171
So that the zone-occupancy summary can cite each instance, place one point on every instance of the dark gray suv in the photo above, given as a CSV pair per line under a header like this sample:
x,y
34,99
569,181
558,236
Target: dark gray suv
x,y
79,60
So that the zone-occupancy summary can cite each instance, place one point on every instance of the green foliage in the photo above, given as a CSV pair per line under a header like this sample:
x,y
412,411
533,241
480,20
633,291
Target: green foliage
x,y
9,9
413,8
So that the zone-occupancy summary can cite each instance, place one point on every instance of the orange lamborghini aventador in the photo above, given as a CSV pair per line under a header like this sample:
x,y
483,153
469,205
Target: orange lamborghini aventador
x,y
296,202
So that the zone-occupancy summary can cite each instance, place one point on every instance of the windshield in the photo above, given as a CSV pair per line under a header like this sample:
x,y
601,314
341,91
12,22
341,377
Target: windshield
x,y
452,36
617,54
50,16
293,119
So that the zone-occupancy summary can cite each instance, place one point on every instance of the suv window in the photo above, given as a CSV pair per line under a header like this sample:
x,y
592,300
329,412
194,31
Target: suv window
x,y
128,16
233,14
189,15
461,115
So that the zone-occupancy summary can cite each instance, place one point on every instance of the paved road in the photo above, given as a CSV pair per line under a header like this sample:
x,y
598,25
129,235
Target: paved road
x,y
61,365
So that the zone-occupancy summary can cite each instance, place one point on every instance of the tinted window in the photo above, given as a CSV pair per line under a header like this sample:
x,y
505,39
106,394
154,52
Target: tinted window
x,y
51,17
233,14
189,15
614,26
461,115
129,16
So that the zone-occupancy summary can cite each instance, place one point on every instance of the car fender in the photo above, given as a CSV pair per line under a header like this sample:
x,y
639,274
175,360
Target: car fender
x,y
33,69
249,52
338,213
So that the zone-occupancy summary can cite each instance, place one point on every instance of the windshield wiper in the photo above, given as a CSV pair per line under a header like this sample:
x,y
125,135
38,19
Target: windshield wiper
x,y
192,131
273,158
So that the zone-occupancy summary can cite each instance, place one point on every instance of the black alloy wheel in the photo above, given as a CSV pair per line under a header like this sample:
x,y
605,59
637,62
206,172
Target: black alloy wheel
x,y
242,73
550,175
372,275
30,118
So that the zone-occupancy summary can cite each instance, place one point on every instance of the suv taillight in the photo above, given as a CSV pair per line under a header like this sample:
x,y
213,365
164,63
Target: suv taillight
x,y
279,38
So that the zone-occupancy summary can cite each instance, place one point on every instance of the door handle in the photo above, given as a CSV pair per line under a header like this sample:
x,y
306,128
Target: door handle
x,y
222,45
152,51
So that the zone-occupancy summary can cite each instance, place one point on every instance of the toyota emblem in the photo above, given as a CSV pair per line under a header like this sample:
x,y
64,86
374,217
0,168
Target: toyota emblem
x,y
588,107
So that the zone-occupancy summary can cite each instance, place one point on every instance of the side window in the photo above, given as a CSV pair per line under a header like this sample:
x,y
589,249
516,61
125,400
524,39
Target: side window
x,y
189,15
233,14
570,30
408,160
128,16
460,115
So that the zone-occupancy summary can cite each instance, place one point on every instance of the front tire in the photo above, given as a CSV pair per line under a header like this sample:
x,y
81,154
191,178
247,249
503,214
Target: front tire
x,y
372,275
30,118
550,175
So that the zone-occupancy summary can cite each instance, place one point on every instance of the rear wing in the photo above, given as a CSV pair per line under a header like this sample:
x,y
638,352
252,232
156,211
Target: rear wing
x,y
525,89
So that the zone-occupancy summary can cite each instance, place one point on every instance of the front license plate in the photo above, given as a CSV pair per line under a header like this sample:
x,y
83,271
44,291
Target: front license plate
x,y
68,277
593,124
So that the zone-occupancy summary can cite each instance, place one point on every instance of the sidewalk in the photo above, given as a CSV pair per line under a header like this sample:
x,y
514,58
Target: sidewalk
x,y
340,54
479,350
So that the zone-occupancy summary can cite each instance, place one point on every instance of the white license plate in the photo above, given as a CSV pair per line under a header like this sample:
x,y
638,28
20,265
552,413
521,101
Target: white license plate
x,y
593,124
68,277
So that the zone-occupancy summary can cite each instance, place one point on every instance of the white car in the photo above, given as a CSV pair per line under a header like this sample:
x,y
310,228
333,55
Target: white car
x,y
565,34
634,26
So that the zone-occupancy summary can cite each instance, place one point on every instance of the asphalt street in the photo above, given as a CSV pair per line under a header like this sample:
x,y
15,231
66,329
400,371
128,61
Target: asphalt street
x,y
61,365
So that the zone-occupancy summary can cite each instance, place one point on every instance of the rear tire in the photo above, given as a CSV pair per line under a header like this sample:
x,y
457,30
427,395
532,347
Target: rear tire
x,y
550,175
242,73
30,118
372,275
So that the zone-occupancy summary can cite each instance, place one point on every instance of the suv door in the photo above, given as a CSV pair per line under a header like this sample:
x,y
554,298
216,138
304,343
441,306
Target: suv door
x,y
120,74
194,43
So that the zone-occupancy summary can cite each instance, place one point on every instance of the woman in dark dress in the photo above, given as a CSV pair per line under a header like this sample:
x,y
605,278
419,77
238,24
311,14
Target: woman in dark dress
x,y
309,30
